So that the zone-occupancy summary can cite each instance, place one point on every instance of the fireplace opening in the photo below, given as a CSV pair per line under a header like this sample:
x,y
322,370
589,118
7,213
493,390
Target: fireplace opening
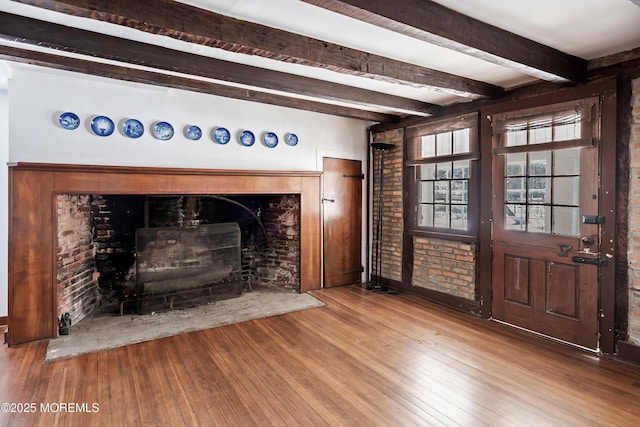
x,y
145,253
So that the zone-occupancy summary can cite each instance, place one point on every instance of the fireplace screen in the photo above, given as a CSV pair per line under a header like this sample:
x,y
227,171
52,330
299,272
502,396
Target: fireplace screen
x,y
178,267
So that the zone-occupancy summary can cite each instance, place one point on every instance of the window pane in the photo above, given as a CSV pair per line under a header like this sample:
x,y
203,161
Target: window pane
x,y
441,191
461,169
539,220
428,145
539,190
567,162
441,216
515,137
425,215
540,163
444,171
515,217
461,141
515,164
566,191
567,127
426,192
540,135
428,171
459,217
515,189
459,192
443,143
566,220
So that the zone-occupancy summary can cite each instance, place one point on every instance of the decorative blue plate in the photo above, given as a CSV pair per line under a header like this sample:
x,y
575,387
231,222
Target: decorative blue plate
x,y
102,126
221,135
292,139
132,128
194,133
163,131
247,138
270,139
69,121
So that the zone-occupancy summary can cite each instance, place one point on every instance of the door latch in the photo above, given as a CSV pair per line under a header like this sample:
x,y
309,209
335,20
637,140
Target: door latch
x,y
593,261
564,249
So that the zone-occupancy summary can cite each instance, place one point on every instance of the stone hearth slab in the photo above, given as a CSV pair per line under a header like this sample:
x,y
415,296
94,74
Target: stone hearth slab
x,y
101,332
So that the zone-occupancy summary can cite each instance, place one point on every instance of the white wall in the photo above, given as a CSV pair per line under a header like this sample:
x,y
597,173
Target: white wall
x,y
37,96
4,193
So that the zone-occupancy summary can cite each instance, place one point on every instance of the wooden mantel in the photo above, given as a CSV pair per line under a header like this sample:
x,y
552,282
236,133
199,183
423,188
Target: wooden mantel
x,y
33,188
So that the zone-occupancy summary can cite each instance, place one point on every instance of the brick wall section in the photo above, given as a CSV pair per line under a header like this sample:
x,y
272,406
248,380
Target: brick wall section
x,y
392,213
77,280
279,263
115,220
634,219
444,266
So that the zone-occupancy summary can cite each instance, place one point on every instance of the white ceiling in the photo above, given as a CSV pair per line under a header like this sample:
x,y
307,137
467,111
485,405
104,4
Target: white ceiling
x,y
585,28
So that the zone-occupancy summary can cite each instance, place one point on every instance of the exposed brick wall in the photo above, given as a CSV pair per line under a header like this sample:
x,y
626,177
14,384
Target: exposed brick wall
x,y
279,263
77,280
392,212
444,266
115,220
97,234
634,219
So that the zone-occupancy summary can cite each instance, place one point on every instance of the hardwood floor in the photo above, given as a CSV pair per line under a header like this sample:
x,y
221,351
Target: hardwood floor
x,y
363,359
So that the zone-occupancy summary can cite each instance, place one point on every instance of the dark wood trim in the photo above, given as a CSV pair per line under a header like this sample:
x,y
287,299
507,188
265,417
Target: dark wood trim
x,y
409,198
439,25
621,71
484,261
3,320
91,44
32,217
447,300
628,353
204,27
608,208
623,182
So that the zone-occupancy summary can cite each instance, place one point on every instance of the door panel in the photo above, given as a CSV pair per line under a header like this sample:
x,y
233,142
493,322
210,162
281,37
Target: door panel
x,y
545,224
342,206
534,291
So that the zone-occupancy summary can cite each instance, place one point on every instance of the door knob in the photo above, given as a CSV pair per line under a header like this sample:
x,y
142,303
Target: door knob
x,y
587,241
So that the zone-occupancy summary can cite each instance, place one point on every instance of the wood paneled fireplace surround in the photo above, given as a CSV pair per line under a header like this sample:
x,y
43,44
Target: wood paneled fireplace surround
x,y
33,188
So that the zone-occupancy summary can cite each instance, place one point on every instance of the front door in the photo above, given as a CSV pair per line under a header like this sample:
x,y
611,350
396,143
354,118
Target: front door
x,y
546,232
342,209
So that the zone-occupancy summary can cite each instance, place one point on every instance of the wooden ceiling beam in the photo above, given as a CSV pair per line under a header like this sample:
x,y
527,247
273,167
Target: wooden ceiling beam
x,y
433,23
111,71
195,25
34,32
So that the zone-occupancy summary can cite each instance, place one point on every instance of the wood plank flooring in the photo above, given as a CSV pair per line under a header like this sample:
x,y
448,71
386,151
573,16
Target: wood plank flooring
x,y
363,359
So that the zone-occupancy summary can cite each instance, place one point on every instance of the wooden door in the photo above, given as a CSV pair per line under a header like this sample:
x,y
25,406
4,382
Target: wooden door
x,y
342,207
546,240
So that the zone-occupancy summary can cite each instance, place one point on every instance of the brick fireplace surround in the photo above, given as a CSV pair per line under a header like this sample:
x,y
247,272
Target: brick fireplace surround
x,y
33,190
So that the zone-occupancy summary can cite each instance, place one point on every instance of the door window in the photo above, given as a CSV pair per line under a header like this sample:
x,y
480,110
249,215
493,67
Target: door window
x,y
541,158
542,190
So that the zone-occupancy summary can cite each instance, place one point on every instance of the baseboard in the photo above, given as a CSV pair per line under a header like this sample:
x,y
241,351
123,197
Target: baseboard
x,y
628,353
457,303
